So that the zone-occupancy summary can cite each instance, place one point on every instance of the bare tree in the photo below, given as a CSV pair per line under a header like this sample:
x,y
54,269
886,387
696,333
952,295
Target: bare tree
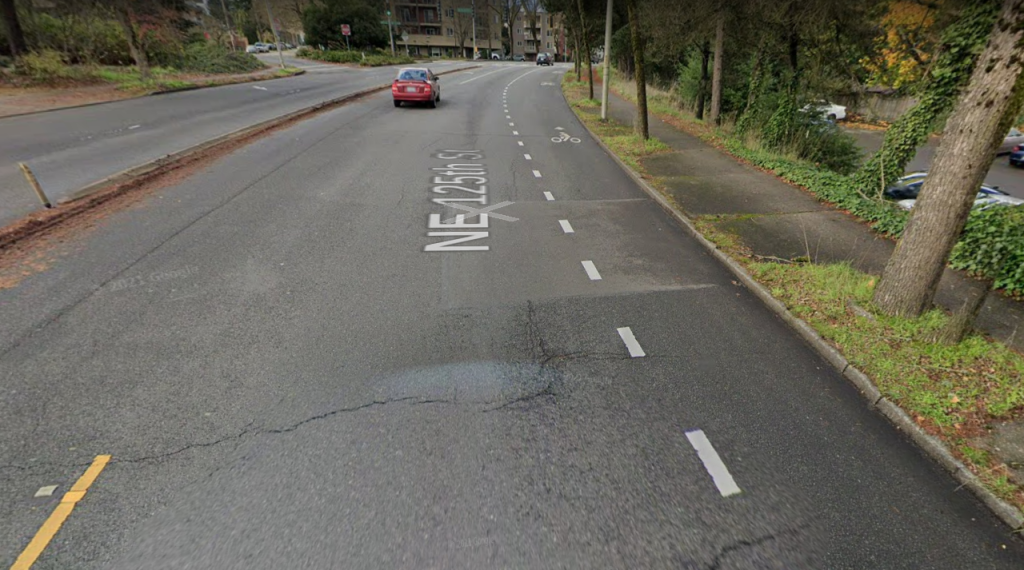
x,y
507,10
980,120
463,28
15,37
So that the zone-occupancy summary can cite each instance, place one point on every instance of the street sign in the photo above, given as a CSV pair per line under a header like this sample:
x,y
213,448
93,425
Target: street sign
x,y
464,10
345,30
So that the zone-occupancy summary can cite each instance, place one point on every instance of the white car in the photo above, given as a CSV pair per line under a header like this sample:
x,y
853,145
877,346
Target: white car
x,y
830,111
982,201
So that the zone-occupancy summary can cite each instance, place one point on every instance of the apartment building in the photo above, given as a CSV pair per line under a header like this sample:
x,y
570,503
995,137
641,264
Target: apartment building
x,y
444,28
538,33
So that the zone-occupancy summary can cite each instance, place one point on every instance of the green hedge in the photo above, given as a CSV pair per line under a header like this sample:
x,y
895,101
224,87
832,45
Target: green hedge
x,y
205,57
992,244
372,59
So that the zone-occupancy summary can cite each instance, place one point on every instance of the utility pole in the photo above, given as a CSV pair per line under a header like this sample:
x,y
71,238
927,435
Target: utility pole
x,y
607,62
474,30
273,28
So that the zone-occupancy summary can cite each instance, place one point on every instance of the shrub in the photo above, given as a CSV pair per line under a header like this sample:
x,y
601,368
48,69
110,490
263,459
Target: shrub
x,y
44,65
205,57
992,245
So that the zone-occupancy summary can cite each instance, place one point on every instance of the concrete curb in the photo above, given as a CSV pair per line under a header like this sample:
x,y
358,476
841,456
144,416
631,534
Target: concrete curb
x,y
150,94
159,165
929,444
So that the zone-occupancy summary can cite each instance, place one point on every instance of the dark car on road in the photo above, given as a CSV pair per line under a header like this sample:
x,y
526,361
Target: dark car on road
x,y
544,59
1017,156
416,85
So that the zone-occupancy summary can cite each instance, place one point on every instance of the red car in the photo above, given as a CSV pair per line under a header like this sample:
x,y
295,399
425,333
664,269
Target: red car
x,y
416,85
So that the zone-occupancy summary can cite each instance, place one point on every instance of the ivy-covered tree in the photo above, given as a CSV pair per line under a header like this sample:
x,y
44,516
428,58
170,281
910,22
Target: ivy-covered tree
x,y
961,43
989,105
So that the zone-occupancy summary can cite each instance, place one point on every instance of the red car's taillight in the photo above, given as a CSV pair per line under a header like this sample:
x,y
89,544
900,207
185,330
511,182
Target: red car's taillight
x,y
426,88
1018,148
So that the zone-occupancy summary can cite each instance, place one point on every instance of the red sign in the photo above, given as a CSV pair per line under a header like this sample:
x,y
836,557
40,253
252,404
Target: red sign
x,y
345,30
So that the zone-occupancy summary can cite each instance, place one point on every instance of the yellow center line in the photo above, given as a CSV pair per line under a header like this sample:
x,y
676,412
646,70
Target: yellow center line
x,y
60,514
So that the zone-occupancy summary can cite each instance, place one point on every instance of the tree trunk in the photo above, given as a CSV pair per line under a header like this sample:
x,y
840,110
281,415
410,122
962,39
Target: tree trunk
x,y
637,41
15,37
586,47
138,53
702,85
980,120
716,80
576,59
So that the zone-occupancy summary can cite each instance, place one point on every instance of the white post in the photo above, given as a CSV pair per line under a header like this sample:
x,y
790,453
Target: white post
x,y
607,62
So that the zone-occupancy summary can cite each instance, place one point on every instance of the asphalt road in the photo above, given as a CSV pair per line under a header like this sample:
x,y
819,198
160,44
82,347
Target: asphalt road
x,y
71,148
287,377
1006,177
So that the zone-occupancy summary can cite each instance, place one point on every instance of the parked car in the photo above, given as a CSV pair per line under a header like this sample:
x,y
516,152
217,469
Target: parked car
x,y
831,111
544,59
907,189
1013,139
496,56
252,49
518,57
982,201
1017,156
416,85
260,47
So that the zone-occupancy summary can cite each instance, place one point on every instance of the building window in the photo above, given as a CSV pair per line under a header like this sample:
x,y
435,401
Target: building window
x,y
431,32
549,33
519,31
496,21
519,43
450,12
496,35
451,32
549,45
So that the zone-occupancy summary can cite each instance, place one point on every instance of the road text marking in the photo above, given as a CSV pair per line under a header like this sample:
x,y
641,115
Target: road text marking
x,y
549,197
566,226
634,347
713,463
591,270
59,515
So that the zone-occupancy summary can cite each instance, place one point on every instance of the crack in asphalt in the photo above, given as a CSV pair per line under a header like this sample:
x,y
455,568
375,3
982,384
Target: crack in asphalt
x,y
740,544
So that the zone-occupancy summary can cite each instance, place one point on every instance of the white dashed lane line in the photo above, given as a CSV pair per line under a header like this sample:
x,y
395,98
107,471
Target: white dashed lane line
x,y
516,133
520,143
549,197
591,270
536,174
566,226
713,463
634,347
511,124
527,157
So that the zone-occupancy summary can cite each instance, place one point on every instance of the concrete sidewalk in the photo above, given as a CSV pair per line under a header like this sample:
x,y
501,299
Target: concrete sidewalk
x,y
773,218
